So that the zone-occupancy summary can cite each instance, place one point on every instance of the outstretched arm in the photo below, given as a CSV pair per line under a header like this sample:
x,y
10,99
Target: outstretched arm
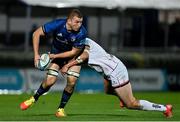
x,y
78,61
68,54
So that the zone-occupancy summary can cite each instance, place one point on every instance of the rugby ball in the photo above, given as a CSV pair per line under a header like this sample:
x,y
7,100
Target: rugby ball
x,y
44,62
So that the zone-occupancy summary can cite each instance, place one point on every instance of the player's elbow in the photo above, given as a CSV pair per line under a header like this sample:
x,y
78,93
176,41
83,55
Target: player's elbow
x,y
35,34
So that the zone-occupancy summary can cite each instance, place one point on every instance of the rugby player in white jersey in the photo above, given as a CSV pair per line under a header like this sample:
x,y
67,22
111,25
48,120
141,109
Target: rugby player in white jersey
x,y
116,72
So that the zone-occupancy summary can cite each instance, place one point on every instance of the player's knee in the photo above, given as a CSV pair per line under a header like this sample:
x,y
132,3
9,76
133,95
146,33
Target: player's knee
x,y
71,82
50,81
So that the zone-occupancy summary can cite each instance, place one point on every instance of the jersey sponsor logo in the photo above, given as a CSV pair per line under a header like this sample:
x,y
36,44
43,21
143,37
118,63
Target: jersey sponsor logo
x,y
59,40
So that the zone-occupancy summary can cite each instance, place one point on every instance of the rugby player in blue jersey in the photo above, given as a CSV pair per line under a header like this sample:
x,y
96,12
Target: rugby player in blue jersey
x,y
68,41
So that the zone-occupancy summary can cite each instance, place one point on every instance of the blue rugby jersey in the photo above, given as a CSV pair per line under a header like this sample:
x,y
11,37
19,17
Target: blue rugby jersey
x,y
62,39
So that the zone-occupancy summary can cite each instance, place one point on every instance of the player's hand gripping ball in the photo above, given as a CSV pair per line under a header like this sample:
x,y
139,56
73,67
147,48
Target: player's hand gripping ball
x,y
44,62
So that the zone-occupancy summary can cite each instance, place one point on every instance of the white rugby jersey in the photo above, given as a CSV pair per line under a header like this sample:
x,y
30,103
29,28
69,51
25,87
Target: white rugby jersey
x,y
100,60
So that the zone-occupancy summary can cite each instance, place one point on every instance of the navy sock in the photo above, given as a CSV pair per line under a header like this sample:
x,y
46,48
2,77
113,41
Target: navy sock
x,y
41,91
65,98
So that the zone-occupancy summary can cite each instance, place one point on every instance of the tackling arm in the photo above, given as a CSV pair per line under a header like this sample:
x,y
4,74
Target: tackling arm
x,y
68,54
81,59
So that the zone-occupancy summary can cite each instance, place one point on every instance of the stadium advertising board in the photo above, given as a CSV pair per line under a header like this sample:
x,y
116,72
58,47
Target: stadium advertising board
x,y
89,81
141,80
35,77
148,80
11,81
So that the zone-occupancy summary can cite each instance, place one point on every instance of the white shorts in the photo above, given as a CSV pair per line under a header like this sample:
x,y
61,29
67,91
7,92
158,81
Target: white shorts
x,y
119,77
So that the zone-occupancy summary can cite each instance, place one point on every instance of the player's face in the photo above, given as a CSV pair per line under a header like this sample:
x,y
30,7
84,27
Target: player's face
x,y
76,23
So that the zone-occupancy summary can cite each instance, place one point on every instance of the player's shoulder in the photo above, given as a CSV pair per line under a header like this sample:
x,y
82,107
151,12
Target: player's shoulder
x,y
60,21
55,23
82,31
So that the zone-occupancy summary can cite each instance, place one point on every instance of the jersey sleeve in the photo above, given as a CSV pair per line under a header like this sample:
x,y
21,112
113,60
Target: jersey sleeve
x,y
52,26
80,40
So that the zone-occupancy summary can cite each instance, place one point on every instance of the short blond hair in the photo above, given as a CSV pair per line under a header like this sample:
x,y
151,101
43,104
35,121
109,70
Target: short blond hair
x,y
75,12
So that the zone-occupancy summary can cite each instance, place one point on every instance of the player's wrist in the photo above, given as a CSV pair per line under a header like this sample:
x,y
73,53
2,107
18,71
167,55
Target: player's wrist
x,y
36,53
54,56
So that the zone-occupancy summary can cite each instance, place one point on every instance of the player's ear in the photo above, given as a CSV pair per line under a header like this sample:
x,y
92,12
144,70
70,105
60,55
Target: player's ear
x,y
69,21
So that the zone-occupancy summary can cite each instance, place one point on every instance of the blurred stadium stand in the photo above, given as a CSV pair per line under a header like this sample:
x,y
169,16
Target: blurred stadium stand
x,y
143,35
145,29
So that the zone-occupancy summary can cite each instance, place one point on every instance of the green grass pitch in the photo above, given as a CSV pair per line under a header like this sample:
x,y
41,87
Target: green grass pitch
x,y
86,107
